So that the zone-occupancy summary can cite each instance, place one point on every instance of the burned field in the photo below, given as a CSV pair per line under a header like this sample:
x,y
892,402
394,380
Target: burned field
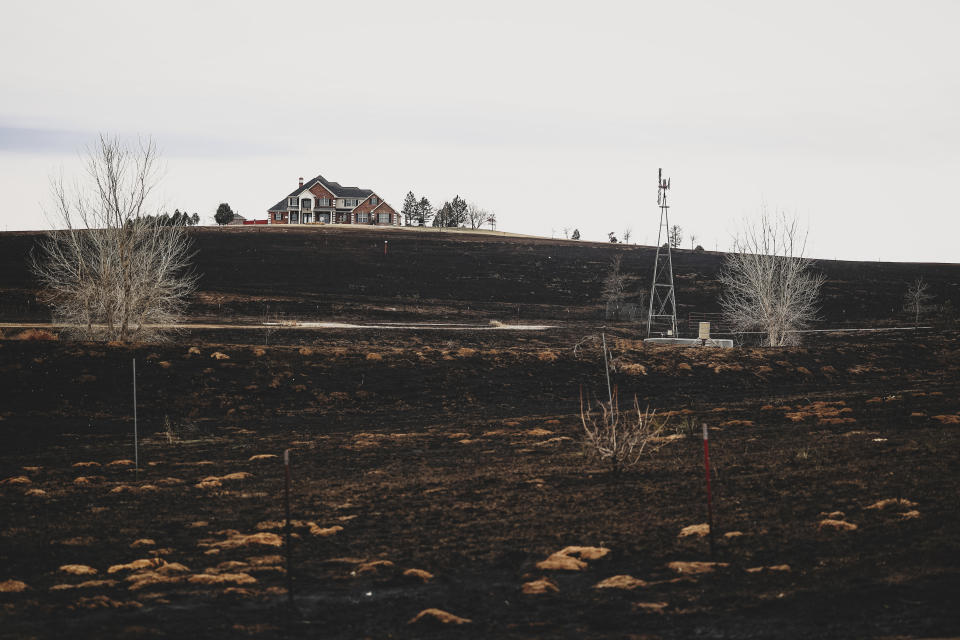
x,y
439,478
446,471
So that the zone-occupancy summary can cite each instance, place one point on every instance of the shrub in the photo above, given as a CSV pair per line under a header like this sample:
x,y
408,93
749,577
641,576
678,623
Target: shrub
x,y
620,439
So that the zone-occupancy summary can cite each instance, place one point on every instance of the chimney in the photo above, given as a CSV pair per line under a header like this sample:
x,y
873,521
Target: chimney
x,y
301,181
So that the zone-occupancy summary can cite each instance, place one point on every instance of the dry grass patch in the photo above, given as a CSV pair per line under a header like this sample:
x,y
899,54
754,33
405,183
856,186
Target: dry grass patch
x,y
143,542
438,616
620,582
78,570
263,456
136,565
325,532
892,502
699,530
13,586
419,574
103,602
836,525
539,587
238,541
219,355
695,567
947,419
18,480
87,584
572,558
375,566
36,335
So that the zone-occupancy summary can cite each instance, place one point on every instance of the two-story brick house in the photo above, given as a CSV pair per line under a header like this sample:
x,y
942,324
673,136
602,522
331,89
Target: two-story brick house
x,y
320,201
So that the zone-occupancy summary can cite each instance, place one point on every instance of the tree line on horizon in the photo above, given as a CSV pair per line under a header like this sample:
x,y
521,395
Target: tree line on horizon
x,y
453,213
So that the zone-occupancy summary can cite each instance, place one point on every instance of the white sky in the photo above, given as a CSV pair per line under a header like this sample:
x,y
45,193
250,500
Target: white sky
x,y
552,114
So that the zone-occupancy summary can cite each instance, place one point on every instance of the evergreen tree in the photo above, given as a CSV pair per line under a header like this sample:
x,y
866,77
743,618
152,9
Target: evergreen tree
x,y
443,216
576,234
424,212
410,208
224,214
458,212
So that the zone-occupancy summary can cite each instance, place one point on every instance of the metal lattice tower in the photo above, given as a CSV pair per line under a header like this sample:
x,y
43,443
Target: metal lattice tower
x,y
662,317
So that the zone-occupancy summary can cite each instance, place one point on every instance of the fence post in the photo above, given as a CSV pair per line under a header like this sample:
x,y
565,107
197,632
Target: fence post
x,y
706,464
136,447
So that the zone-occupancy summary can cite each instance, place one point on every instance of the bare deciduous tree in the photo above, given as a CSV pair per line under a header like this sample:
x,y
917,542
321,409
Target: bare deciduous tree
x,y
108,270
614,288
476,216
626,235
767,283
916,300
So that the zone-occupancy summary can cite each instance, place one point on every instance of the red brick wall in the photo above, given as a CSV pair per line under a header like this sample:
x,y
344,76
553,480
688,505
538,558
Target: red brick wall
x,y
319,191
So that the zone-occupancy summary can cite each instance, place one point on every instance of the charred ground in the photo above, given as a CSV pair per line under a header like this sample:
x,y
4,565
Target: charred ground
x,y
458,453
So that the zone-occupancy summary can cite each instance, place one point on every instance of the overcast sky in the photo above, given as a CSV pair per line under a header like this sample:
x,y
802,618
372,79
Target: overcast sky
x,y
552,114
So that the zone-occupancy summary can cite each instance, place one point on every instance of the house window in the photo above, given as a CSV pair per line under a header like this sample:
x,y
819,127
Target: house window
x,y
383,218
323,217
294,216
363,218
292,202
277,216
305,203
374,200
323,202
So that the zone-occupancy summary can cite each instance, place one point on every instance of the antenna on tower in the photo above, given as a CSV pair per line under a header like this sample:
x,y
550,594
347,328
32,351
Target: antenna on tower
x,y
662,314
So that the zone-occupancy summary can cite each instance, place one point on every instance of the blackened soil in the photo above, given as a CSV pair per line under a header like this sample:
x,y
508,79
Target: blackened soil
x,y
460,454
310,273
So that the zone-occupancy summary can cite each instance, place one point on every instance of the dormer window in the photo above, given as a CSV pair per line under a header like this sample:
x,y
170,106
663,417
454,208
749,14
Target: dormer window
x,y
305,203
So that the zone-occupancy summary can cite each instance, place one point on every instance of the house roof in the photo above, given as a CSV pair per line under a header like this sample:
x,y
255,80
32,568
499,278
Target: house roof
x,y
337,189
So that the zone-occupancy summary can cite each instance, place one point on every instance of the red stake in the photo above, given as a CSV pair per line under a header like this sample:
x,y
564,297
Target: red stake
x,y
706,464
385,247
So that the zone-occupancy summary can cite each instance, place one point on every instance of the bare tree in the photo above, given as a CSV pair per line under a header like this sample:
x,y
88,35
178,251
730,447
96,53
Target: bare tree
x,y
566,232
476,216
767,283
916,300
626,235
109,271
614,289
693,241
